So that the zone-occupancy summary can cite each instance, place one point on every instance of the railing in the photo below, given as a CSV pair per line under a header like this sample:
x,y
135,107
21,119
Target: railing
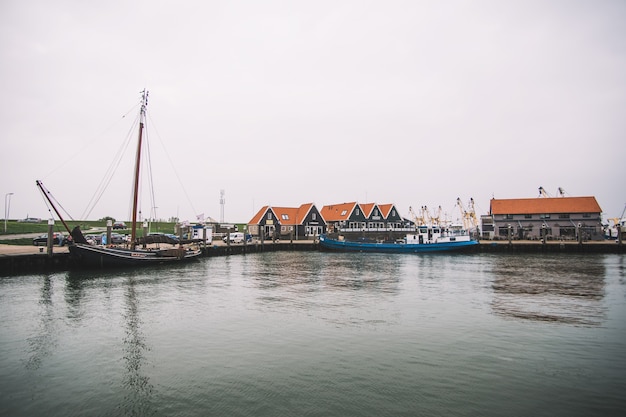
x,y
375,229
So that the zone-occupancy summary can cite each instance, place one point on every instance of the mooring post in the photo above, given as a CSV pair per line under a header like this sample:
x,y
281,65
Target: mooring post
x,y
50,241
508,233
145,234
109,228
580,234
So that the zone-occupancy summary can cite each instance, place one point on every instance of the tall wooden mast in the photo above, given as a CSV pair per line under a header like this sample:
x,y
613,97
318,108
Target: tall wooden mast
x,y
142,118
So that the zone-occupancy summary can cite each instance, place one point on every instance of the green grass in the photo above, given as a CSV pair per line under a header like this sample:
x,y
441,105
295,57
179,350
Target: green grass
x,y
17,242
17,228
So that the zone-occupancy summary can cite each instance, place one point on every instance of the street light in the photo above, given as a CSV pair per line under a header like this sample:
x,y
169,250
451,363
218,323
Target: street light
x,y
6,210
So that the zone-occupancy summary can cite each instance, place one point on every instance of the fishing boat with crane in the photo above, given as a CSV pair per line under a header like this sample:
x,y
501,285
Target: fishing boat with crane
x,y
617,230
426,240
136,253
432,234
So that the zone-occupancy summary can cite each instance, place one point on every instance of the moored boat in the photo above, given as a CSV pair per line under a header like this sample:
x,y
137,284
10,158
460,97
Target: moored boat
x,y
137,252
426,239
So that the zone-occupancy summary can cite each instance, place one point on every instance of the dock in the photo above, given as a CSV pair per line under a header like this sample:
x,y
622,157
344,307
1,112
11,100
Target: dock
x,y
15,259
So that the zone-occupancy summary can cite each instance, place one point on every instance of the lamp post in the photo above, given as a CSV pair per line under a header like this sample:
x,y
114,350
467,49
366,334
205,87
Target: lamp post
x,y
6,209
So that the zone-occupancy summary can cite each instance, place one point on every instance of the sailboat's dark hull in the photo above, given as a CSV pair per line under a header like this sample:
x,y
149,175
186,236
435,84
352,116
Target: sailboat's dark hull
x,y
102,257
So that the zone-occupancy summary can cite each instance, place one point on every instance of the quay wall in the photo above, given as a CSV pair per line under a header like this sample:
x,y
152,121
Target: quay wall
x,y
14,264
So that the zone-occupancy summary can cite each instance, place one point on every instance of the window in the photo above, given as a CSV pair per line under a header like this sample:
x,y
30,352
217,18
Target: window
x,y
393,213
344,212
269,216
375,212
508,217
528,216
284,216
563,216
357,212
313,216
544,216
586,215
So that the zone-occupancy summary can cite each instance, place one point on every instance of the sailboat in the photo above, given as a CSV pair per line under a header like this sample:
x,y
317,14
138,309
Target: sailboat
x,y
86,254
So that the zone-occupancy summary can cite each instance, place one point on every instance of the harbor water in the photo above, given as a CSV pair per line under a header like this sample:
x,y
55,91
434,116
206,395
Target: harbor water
x,y
320,334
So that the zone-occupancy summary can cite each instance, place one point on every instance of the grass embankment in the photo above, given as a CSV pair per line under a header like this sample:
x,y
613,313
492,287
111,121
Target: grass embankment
x,y
18,228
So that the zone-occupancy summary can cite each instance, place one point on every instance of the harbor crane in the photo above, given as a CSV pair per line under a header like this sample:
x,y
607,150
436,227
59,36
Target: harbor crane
x,y
468,216
544,193
422,219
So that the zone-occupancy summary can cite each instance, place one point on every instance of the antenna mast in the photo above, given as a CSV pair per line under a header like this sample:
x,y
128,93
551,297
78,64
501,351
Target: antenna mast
x,y
222,204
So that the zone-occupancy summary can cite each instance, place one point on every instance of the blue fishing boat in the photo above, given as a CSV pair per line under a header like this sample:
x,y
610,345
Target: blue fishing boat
x,y
426,239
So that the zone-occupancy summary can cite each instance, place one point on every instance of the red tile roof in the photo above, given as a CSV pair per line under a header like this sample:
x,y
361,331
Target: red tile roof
x,y
295,215
367,208
333,212
337,212
545,205
385,209
259,215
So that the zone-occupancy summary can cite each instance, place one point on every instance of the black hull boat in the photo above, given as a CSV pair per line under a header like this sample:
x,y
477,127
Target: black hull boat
x,y
101,257
135,253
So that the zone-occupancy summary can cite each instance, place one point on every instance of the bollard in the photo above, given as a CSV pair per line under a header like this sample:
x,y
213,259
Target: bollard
x,y
50,241
145,234
580,234
109,228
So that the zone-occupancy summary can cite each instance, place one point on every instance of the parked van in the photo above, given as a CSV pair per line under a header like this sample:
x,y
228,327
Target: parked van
x,y
236,237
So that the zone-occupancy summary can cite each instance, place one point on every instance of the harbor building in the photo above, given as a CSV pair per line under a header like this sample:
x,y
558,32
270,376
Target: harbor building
x,y
554,217
297,223
371,220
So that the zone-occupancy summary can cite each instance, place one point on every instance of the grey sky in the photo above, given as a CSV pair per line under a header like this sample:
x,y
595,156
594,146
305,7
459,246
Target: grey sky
x,y
286,102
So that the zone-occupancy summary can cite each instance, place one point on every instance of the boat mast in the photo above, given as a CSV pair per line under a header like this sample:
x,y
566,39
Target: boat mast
x,y
46,193
142,118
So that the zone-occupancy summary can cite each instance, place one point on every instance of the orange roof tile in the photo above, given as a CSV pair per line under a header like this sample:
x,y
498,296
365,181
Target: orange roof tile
x,y
385,209
259,215
367,208
337,212
295,215
303,210
286,215
545,205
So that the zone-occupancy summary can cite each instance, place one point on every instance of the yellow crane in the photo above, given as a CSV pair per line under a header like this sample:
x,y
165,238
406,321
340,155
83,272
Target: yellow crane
x,y
468,216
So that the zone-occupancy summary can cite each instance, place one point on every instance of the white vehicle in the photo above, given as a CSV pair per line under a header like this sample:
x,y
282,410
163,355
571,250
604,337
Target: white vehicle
x,y
198,232
236,237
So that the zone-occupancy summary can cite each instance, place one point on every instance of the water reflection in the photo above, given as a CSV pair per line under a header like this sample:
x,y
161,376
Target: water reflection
x,y
44,341
140,390
324,272
74,292
550,288
378,273
343,289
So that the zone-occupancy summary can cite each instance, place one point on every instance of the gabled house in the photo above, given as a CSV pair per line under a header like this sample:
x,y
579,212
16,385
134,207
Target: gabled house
x,y
297,223
367,219
557,217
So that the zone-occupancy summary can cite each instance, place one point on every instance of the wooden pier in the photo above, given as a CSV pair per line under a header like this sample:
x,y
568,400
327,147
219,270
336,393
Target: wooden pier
x,y
27,259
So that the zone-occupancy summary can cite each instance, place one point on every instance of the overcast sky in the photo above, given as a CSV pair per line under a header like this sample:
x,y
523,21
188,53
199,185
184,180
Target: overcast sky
x,y
287,102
